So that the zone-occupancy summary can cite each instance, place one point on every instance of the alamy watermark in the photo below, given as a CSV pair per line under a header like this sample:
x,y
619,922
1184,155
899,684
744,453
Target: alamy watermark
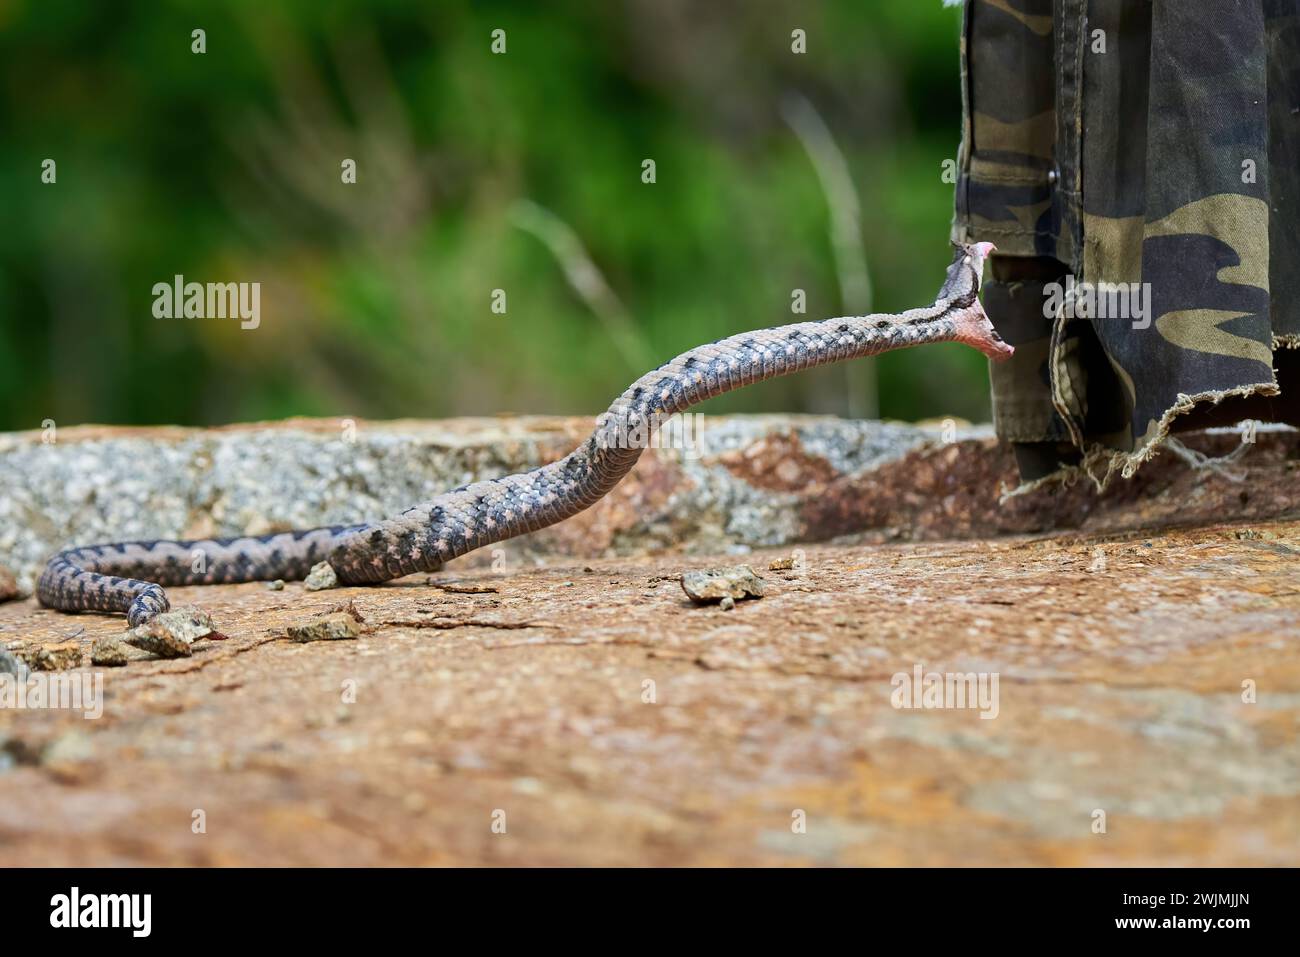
x,y
179,299
630,429
65,691
1102,300
946,690
133,912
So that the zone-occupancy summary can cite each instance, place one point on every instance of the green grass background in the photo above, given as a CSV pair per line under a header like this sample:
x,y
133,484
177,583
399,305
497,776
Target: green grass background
x,y
375,297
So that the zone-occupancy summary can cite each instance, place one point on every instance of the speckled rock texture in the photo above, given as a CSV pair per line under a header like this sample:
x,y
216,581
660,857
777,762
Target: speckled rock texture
x,y
600,718
550,707
734,483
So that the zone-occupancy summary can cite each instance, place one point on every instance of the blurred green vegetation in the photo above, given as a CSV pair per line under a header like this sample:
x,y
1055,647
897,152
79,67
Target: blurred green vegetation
x,y
225,166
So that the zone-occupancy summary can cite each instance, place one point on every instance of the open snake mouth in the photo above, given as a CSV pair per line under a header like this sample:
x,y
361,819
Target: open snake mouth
x,y
974,327
980,254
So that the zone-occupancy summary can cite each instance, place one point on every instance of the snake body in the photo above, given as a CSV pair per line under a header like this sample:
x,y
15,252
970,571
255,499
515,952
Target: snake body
x,y
130,576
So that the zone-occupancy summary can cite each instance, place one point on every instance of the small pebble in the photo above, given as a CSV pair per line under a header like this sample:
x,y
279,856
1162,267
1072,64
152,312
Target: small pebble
x,y
277,585
109,652
456,589
321,576
716,584
11,664
171,634
53,659
333,627
8,585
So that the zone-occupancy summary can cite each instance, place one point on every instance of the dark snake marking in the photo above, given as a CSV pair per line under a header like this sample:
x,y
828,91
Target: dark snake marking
x,y
130,576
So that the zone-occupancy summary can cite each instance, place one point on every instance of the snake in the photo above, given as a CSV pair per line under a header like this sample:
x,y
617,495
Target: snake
x,y
130,576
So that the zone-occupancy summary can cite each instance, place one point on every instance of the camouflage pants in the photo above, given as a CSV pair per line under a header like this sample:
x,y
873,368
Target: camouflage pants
x,y
1137,164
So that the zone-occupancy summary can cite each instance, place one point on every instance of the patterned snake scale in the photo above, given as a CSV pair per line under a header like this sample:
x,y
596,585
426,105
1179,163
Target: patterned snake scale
x,y
129,576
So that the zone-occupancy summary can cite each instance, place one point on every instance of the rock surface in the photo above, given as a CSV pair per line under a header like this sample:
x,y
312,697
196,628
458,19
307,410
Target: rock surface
x,y
732,483
557,708
606,720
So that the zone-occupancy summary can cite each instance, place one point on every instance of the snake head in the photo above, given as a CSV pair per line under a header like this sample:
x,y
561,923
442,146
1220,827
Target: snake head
x,y
961,288
966,272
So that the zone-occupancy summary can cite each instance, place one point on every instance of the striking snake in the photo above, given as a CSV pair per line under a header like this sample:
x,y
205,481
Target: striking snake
x,y
130,576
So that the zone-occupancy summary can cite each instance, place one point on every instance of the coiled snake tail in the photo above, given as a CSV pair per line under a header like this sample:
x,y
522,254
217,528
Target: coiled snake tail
x,y
130,576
